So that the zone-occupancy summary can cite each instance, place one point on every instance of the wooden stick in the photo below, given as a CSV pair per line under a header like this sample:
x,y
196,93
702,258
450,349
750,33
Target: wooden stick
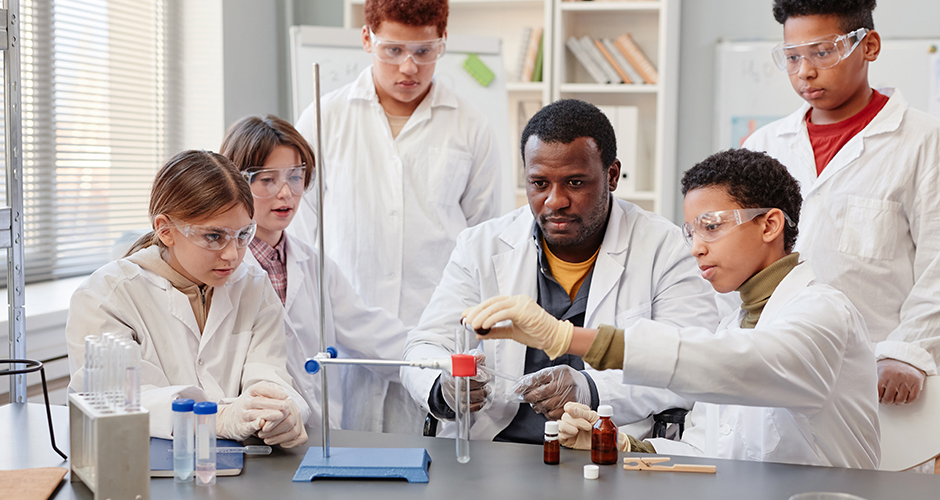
x,y
636,463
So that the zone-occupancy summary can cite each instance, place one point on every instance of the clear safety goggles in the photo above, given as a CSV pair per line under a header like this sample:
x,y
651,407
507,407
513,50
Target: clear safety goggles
x,y
822,53
713,225
395,52
216,238
266,183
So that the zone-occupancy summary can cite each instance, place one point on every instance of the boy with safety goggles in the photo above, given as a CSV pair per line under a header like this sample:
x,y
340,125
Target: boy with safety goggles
x,y
786,378
408,165
868,166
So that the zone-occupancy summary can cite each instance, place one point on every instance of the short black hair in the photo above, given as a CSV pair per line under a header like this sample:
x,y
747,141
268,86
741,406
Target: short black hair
x,y
854,14
568,119
752,180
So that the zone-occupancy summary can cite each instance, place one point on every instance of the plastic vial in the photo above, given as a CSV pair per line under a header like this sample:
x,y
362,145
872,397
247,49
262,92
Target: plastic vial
x,y
604,437
552,448
205,442
131,376
183,440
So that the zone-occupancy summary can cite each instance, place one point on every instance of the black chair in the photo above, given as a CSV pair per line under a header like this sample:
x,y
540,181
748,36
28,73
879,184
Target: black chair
x,y
662,420
34,366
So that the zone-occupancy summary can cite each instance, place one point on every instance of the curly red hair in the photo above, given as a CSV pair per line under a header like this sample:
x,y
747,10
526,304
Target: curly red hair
x,y
408,12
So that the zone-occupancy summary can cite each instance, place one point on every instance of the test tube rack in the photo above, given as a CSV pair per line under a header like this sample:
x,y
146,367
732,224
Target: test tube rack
x,y
110,449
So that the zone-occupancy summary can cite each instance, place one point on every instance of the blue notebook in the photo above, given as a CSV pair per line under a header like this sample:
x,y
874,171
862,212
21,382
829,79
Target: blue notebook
x,y
161,458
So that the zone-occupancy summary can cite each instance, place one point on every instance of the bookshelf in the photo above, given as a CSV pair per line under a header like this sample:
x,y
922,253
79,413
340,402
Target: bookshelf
x,y
654,25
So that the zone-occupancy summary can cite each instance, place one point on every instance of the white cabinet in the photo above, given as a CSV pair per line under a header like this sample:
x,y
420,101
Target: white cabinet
x,y
651,147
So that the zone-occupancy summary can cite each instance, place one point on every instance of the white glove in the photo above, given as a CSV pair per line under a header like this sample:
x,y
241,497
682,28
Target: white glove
x,y
531,325
549,389
481,394
288,432
574,428
261,403
899,382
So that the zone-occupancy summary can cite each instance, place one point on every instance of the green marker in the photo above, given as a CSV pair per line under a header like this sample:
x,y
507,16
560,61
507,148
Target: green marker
x,y
478,70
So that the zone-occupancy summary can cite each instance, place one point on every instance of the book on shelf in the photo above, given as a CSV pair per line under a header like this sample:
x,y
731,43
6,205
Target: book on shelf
x,y
523,48
622,61
574,45
539,61
624,119
531,54
588,45
624,77
632,52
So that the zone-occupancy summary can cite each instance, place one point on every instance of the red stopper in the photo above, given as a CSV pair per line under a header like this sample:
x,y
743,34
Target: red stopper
x,y
464,365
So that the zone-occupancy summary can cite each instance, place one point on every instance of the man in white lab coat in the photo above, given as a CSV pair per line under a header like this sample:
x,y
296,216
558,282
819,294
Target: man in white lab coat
x,y
868,165
407,166
587,258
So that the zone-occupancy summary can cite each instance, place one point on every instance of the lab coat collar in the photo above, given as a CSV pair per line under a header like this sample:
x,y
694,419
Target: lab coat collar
x,y
887,120
795,281
363,88
608,261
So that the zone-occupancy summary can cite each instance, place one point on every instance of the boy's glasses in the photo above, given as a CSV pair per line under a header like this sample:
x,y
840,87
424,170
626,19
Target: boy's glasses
x,y
822,53
713,225
395,52
268,182
216,238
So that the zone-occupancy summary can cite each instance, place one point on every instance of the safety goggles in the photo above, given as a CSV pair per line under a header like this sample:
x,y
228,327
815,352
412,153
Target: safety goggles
x,y
216,238
395,52
266,183
822,53
713,225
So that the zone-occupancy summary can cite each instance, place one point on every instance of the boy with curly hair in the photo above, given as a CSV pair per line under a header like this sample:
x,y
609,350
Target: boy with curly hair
x,y
787,378
407,165
868,166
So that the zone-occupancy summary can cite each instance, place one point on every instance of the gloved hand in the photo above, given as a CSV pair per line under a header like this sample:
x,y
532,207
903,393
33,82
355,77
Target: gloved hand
x,y
549,389
574,429
261,403
480,390
898,382
287,432
531,325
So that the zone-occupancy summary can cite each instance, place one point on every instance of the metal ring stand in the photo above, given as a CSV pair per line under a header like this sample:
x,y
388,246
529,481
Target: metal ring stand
x,y
35,366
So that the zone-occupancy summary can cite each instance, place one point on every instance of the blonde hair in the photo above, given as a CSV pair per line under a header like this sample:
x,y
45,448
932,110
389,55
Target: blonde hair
x,y
195,185
249,142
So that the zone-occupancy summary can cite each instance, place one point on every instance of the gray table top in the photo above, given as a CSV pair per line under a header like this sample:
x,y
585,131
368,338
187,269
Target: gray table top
x,y
495,470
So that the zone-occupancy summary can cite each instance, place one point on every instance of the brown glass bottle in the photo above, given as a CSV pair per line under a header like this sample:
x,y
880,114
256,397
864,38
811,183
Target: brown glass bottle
x,y
604,437
552,447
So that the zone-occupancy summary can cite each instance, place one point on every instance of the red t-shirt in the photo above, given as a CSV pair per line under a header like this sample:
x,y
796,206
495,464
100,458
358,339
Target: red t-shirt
x,y
827,140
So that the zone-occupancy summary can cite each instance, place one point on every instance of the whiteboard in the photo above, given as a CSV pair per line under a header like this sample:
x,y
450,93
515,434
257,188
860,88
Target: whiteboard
x,y
751,91
341,57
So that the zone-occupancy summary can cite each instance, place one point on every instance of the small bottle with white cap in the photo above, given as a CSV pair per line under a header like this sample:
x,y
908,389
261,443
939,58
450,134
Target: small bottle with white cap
x,y
604,437
552,447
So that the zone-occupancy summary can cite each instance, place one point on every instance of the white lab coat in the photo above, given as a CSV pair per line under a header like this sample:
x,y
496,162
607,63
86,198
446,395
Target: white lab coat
x,y
241,344
798,388
356,330
869,222
643,270
394,207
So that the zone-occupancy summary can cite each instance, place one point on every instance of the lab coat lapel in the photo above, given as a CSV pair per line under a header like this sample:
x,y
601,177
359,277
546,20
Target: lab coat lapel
x,y
608,268
515,274
178,305
796,280
220,307
296,259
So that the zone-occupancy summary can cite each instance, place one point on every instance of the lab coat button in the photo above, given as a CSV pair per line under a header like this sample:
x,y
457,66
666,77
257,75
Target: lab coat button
x,y
200,361
726,429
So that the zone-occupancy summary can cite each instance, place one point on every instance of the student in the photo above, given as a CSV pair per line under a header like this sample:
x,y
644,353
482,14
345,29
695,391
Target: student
x,y
868,166
787,378
208,328
584,256
278,164
408,165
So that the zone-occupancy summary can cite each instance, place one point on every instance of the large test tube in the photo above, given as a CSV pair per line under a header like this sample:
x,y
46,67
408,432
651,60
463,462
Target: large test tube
x,y
463,402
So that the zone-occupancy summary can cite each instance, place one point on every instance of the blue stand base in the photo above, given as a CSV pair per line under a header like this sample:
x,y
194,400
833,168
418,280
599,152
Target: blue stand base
x,y
383,463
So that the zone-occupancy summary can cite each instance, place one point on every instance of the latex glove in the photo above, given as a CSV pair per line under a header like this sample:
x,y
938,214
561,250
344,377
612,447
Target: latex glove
x,y
531,325
574,428
480,390
549,389
287,432
899,382
261,403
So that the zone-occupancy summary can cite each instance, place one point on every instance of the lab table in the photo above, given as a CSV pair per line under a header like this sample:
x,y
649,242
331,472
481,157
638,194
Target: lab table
x,y
495,471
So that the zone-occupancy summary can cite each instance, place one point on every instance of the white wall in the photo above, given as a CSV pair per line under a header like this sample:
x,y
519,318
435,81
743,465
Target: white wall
x,y
705,21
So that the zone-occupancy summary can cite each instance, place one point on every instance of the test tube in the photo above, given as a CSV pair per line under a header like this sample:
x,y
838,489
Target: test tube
x,y
463,402
205,442
183,440
131,376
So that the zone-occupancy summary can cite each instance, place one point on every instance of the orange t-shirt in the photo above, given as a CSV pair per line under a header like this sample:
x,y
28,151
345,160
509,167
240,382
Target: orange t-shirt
x,y
570,275
828,139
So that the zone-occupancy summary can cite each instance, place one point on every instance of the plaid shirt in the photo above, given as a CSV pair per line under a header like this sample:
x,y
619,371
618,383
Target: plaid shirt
x,y
274,261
